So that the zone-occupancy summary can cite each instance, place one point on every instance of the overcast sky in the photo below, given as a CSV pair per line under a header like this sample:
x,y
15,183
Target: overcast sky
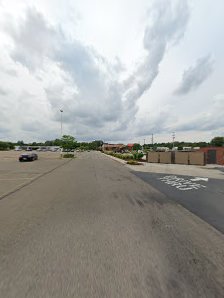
x,y
120,70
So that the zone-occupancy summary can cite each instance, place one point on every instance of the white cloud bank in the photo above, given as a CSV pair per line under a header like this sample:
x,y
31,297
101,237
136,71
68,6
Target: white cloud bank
x,y
44,70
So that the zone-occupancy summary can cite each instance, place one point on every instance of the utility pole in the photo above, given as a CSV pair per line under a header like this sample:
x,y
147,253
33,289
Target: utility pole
x,y
61,121
61,151
152,139
173,137
143,147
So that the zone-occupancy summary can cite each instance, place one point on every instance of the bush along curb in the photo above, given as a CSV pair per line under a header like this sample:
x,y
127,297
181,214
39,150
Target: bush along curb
x,y
134,163
126,156
68,155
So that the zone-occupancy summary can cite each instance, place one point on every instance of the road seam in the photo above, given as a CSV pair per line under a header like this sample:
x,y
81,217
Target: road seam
x,y
32,180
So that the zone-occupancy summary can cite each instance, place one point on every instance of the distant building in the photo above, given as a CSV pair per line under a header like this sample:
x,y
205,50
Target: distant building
x,y
112,147
162,149
187,148
130,146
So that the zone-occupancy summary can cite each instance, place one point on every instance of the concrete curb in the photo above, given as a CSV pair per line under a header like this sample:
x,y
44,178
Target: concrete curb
x,y
116,159
124,162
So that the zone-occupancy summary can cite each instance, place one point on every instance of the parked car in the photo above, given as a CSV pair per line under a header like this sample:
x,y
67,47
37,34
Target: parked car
x,y
28,157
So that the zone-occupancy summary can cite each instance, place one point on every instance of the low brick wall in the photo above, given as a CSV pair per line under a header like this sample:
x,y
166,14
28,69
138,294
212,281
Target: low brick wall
x,y
197,158
152,157
182,158
165,157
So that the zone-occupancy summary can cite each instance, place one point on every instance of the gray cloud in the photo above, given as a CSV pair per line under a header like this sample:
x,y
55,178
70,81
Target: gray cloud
x,y
208,120
3,129
195,75
3,92
82,82
32,126
34,39
11,72
168,24
156,123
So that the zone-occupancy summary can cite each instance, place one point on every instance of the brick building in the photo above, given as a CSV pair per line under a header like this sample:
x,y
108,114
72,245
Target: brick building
x,y
112,147
213,155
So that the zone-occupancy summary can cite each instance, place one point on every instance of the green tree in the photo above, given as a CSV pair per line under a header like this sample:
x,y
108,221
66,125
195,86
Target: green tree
x,y
217,141
20,143
57,142
95,145
49,143
137,147
4,146
68,142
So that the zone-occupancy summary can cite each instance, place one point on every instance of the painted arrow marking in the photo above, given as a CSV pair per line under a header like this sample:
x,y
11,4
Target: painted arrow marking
x,y
183,184
199,179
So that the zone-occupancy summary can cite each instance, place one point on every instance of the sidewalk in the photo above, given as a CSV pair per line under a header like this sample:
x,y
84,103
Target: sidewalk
x,y
208,171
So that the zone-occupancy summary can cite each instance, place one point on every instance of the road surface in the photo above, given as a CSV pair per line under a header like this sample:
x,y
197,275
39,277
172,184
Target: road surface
x,y
202,196
90,228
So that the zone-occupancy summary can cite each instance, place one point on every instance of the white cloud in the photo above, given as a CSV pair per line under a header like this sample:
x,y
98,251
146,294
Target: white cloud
x,y
47,65
195,75
208,120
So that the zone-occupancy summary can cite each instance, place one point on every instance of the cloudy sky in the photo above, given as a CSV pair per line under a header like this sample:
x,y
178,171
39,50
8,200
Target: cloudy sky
x,y
120,70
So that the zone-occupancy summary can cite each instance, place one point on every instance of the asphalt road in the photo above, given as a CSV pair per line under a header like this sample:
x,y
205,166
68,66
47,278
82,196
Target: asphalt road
x,y
204,197
90,228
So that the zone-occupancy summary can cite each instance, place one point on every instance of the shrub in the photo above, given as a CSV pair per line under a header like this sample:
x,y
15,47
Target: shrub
x,y
109,152
133,162
118,155
68,155
140,155
137,155
127,156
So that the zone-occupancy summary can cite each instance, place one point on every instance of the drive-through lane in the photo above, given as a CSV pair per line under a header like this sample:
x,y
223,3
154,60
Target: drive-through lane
x,y
204,197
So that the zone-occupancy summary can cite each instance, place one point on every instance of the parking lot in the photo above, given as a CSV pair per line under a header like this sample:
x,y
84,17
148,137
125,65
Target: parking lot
x,y
15,174
91,218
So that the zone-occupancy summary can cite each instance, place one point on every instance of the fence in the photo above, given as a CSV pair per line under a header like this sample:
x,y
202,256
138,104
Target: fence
x,y
165,157
185,158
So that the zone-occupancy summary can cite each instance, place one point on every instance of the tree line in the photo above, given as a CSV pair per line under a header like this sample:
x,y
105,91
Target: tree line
x,y
69,142
216,142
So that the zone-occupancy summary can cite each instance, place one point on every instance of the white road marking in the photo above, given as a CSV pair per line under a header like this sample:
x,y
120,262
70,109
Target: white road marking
x,y
199,179
181,183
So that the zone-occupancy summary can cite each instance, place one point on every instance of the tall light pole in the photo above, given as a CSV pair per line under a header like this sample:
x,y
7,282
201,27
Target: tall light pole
x,y
61,121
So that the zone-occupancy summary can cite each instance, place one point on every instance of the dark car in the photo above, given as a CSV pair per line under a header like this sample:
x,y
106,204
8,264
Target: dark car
x,y
28,157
